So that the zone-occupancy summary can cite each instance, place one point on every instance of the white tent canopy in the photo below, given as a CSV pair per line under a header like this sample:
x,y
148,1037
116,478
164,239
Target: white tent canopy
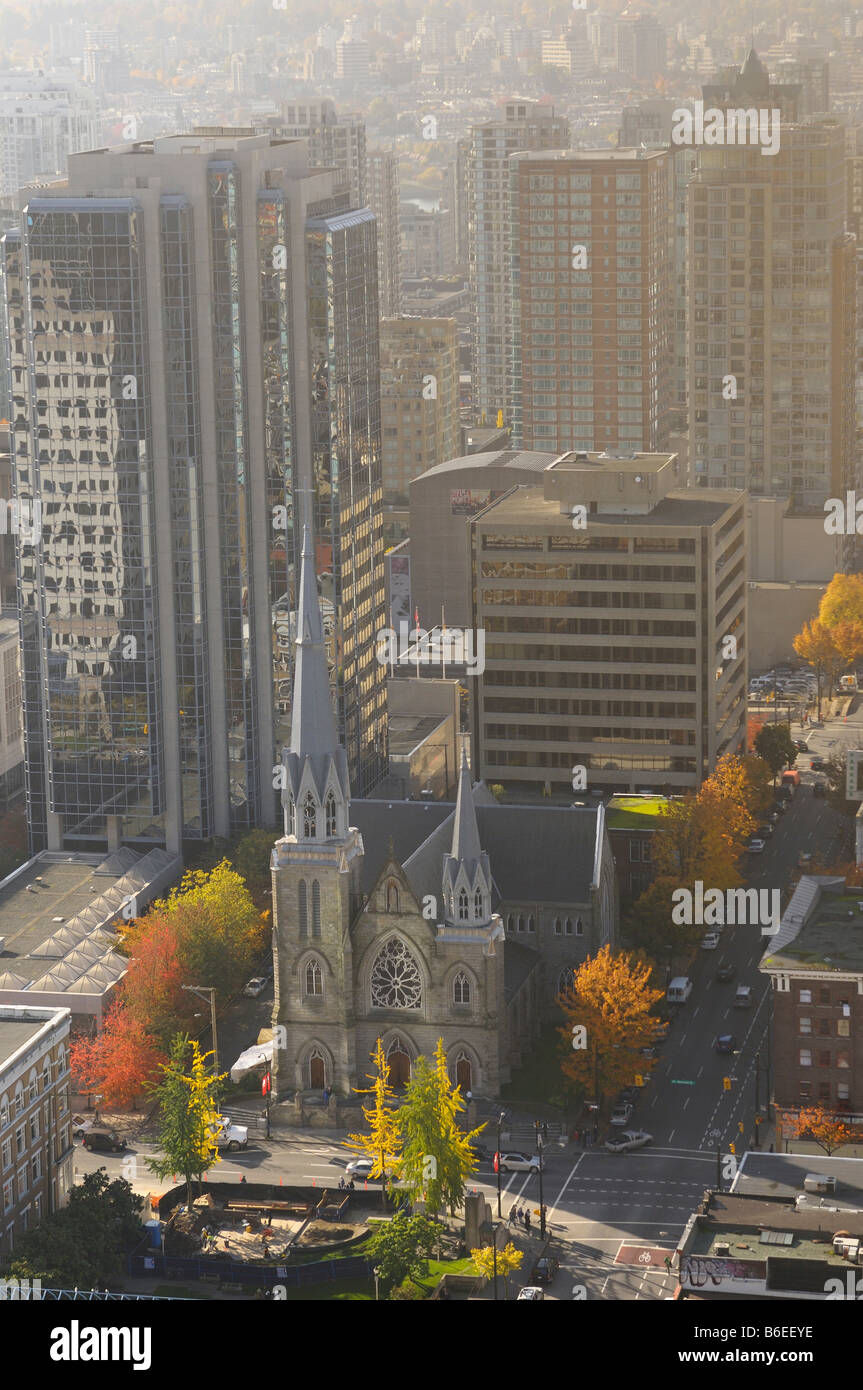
x,y
261,1055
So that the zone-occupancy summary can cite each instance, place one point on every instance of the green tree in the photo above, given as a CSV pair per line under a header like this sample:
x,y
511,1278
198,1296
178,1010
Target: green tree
x,y
383,1142
188,1113
400,1248
773,743
437,1157
83,1244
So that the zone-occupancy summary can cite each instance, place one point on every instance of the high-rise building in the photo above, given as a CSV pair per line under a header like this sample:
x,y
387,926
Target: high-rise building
x,y
641,46
335,141
353,57
607,597
456,198
105,63
383,187
525,126
772,318
591,290
419,399
194,369
42,121
427,242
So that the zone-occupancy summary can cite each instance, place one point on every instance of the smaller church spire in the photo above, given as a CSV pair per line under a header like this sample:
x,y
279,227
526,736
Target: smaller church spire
x,y
465,836
466,870
313,727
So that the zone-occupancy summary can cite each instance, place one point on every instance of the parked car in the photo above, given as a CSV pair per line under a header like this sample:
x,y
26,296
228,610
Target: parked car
x,y
629,1139
520,1163
780,805
621,1114
755,845
801,745
362,1168
724,1043
764,831
104,1140
628,1094
819,788
710,941
256,986
726,973
530,1294
816,763
81,1125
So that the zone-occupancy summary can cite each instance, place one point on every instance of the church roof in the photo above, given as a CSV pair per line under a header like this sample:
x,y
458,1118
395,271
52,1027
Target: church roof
x,y
537,853
518,962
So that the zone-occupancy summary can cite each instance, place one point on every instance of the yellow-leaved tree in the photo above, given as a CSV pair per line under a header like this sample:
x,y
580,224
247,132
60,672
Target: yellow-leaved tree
x,y
383,1143
438,1156
188,1113
508,1260
610,999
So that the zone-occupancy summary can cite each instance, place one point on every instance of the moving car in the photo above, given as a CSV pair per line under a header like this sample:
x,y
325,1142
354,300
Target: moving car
x,y
530,1294
710,941
780,805
359,1168
629,1139
520,1163
742,997
726,973
256,986
677,993
755,845
104,1140
724,1043
816,763
765,831
621,1114
545,1269
81,1125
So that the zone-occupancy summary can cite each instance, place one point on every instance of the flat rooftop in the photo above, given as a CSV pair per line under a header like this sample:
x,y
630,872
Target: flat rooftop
x,y
407,731
830,940
17,1035
739,1221
782,1175
530,505
27,919
635,812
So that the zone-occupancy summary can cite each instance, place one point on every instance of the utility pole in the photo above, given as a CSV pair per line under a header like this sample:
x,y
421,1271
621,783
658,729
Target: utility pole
x,y
208,994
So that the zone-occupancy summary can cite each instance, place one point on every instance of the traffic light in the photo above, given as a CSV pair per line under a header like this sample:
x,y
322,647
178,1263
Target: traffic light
x,y
732,1149
740,1126
726,1083
639,1080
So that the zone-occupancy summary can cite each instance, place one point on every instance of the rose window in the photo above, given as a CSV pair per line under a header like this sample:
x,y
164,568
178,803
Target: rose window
x,y
396,980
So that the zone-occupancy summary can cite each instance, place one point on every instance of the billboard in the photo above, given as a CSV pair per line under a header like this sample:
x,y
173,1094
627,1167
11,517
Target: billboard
x,y
464,502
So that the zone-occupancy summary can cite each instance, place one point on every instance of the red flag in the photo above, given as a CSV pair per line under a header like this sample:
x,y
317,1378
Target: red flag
x,y
497,1163
266,1084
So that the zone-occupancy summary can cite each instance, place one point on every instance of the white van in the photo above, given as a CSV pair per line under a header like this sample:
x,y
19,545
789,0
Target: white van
x,y
679,990
743,997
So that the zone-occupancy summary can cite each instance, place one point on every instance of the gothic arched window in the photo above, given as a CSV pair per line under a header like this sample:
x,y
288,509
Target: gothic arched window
x,y
303,906
314,978
461,989
395,980
565,980
462,905
478,905
331,815
310,818
316,908
293,817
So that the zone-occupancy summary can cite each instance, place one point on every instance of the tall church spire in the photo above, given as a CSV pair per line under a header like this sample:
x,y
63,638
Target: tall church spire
x,y
317,795
466,870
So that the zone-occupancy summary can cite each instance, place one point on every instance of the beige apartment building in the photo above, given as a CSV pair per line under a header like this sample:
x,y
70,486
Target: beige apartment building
x,y
419,399
591,359
607,596
35,1119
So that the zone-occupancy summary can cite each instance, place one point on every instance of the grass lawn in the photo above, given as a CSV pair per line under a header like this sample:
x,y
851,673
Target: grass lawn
x,y
346,1290
635,812
540,1080
338,1252
437,1268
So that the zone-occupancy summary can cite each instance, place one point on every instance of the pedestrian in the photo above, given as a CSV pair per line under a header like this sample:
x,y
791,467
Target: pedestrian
x,y
545,1129
227,1247
326,1096
266,1251
667,1263
351,1185
243,1178
513,1216
527,1220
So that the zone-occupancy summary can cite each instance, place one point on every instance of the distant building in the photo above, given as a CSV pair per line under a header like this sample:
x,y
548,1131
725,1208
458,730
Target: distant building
x,y
419,399
11,715
427,241
383,191
335,141
35,1119
353,57
641,46
42,121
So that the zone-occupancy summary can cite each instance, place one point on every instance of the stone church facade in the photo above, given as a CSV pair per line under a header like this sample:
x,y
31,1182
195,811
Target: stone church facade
x,y
389,919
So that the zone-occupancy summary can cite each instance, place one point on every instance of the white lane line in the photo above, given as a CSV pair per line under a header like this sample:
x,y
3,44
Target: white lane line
x,y
671,1135
700,1070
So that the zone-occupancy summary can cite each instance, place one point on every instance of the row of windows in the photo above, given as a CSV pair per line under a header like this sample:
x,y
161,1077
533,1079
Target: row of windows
x,y
22,1098
314,985
563,926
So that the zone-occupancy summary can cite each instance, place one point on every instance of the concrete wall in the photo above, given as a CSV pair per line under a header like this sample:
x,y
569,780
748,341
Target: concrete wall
x,y
786,546
777,612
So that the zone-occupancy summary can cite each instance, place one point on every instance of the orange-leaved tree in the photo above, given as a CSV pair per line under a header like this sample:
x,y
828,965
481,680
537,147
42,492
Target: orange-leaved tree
x,y
610,999
825,1129
119,1062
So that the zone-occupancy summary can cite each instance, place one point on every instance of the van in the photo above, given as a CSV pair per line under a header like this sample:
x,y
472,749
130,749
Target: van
x,y
679,990
742,997
791,778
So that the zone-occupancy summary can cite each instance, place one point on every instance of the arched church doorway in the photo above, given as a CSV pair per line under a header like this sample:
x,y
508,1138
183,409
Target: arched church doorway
x,y
463,1073
317,1072
399,1064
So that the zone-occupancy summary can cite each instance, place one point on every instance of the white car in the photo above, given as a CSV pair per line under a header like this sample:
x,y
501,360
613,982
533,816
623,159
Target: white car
x,y
520,1163
710,941
81,1125
256,986
530,1294
629,1139
621,1114
755,846
359,1168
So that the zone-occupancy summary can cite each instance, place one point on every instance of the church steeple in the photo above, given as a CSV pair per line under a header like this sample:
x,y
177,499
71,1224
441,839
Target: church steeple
x,y
317,795
466,870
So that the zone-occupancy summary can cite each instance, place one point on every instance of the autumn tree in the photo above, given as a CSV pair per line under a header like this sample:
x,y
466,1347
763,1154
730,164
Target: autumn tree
x,y
508,1260
842,601
815,644
383,1142
775,746
649,925
437,1157
826,1130
188,1113
608,1013
152,988
219,929
120,1062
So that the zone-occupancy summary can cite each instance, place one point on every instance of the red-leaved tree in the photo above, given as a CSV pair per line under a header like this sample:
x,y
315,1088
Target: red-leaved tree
x,y
153,985
119,1062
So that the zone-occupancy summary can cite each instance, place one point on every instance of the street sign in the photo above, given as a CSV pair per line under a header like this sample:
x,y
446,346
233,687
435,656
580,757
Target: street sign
x,y
682,1083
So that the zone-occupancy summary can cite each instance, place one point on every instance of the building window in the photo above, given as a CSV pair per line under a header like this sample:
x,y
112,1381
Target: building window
x,y
843,1028
823,1090
462,905
19,1098
530,925
314,978
23,1185
823,995
310,818
61,1061
392,897
8,1194
579,928
843,1059
36,1168
34,1127
824,1028
4,1114
331,815
396,982
805,996
478,905
316,908
520,923
461,989
805,1025
46,1076
842,1090
567,926
566,979
6,1154
805,1090
558,927
303,907
805,1057
20,1140
824,1059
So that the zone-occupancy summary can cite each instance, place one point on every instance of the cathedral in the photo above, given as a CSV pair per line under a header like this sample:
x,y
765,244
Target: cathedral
x,y
411,921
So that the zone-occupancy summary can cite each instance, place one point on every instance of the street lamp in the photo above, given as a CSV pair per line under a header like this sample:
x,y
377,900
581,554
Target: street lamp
x,y
541,1202
500,1119
208,994
376,1273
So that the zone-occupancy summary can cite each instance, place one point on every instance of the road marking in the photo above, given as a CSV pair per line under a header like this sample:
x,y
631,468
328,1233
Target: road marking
x,y
671,1135
700,1070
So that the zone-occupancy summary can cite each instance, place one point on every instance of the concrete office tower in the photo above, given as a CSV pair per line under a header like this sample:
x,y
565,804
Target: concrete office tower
x,y
525,126
427,242
641,46
42,121
383,188
772,306
419,399
189,382
591,289
335,141
353,57
456,198
606,642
